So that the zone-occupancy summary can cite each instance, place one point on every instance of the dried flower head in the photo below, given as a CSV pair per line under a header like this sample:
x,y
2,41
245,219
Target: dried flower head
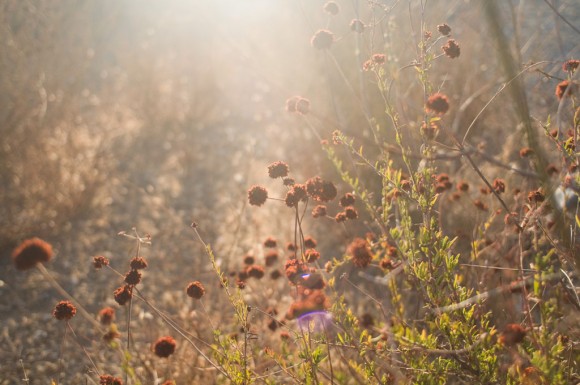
x,y
288,181
437,104
164,346
565,88
133,277
107,315
123,294
499,185
347,199
99,261
319,211
444,29
291,247
109,380
64,310
512,334
270,242
570,65
322,39
255,271
320,190
295,269
309,301
271,257
357,26
480,205
340,217
278,170
536,196
525,152
257,195
360,252
350,212
138,263
463,186
30,252
296,194
275,274
309,242
332,8
311,255
451,49
195,290
249,259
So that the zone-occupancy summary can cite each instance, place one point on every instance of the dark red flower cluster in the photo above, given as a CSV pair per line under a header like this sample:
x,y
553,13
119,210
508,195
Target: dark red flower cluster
x,y
444,29
64,310
30,252
308,301
296,194
138,263
360,252
107,315
195,290
123,294
109,380
278,170
99,261
437,104
319,211
451,49
164,346
322,39
320,190
257,195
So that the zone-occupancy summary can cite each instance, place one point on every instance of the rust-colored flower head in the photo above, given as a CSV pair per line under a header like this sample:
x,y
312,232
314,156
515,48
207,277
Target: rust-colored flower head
x,y
480,205
195,290
314,281
168,382
512,334
295,269
275,274
386,263
570,65
291,247
249,259
255,271
138,263
322,39
288,181
379,58
99,261
30,252
444,29
562,89
340,217
284,335
123,294
320,190
64,310
296,194
360,252
319,211
257,195
311,255
463,186
164,346
437,104
278,170
499,185
347,199
310,301
309,242
427,35
109,380
350,212
270,242
451,49
357,26
536,196
271,257
332,8
133,277
525,152
107,315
